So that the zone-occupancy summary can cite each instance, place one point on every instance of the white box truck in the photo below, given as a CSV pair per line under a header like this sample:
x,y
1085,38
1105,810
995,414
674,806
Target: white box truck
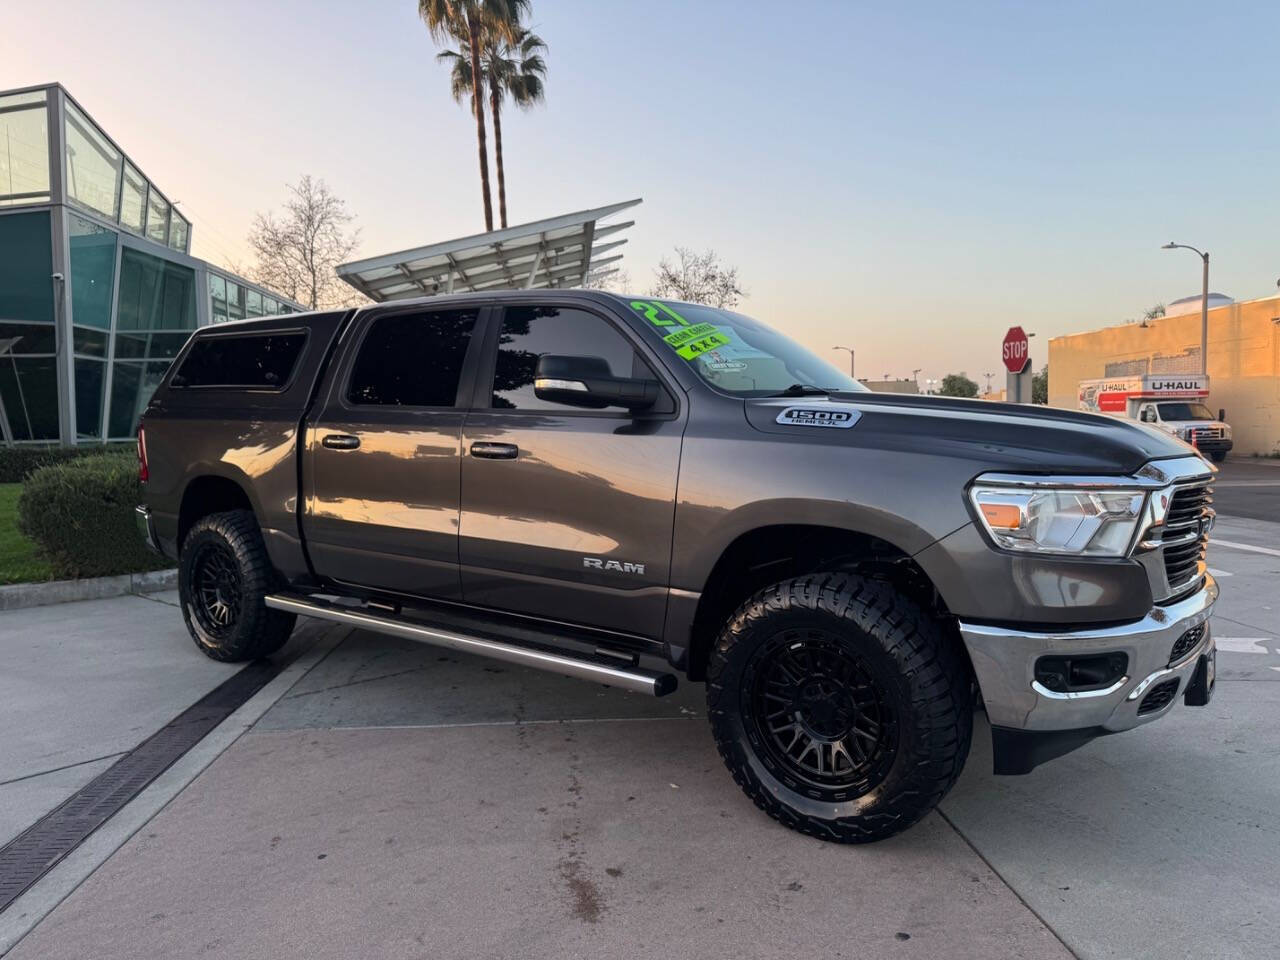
x,y
1174,403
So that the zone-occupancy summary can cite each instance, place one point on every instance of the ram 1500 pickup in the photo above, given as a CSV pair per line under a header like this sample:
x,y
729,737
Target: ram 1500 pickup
x,y
624,490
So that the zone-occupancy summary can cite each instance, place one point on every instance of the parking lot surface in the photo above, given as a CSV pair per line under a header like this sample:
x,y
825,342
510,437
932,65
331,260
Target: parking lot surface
x,y
401,801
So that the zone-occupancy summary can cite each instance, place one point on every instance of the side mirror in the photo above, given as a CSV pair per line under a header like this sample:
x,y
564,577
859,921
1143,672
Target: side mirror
x,y
588,382
1222,415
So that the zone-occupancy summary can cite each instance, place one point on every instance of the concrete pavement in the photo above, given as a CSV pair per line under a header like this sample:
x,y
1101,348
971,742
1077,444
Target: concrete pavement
x,y
1249,487
82,683
402,801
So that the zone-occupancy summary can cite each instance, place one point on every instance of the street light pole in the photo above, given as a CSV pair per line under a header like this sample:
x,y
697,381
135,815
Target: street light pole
x,y
1204,303
850,349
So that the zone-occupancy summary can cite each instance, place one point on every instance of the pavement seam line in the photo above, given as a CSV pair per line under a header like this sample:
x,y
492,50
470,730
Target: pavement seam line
x,y
47,894
153,599
990,866
68,766
491,723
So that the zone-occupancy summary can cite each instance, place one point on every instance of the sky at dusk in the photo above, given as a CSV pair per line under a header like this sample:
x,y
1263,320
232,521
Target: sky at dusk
x,y
907,179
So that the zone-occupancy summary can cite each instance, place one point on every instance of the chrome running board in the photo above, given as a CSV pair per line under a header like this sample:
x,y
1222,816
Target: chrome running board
x,y
635,679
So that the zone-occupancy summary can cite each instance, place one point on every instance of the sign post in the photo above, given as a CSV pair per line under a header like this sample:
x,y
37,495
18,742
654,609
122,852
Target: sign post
x,y
1015,354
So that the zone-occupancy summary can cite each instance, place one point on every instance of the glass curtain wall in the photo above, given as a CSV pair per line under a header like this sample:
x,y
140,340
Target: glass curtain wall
x,y
100,178
155,313
92,269
24,148
28,341
229,300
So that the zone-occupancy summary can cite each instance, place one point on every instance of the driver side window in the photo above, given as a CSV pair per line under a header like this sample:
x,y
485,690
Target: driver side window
x,y
530,332
1148,415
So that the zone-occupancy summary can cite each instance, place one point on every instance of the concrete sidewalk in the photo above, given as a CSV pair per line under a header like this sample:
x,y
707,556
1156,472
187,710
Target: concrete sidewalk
x,y
83,683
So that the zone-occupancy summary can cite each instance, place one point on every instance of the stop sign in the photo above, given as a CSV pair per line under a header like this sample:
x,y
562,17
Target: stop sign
x,y
1014,351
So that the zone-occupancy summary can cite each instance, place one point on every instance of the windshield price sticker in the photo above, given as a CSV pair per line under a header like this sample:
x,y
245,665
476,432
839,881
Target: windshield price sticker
x,y
818,417
682,336
695,348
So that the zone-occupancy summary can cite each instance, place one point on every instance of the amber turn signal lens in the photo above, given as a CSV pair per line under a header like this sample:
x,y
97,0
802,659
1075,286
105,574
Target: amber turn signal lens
x,y
1003,515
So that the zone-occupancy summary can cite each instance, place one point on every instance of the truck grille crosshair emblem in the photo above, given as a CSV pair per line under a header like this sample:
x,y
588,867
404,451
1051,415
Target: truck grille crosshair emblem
x,y
595,563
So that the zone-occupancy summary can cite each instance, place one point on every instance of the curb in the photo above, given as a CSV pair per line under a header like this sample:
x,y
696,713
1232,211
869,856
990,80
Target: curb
x,y
18,596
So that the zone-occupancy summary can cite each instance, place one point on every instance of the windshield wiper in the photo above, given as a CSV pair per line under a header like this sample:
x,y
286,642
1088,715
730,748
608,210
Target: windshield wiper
x,y
802,390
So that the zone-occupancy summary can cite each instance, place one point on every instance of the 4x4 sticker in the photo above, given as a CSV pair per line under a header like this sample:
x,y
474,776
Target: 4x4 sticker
x,y
818,417
690,342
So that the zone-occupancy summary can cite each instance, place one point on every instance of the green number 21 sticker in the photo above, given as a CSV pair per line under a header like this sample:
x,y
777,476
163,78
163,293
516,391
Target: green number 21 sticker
x,y
689,340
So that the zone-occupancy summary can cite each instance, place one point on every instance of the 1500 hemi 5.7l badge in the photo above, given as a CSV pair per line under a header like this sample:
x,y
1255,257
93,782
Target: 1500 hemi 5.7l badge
x,y
818,417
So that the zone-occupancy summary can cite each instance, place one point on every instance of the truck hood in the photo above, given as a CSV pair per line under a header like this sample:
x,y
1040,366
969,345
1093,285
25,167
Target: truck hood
x,y
1003,436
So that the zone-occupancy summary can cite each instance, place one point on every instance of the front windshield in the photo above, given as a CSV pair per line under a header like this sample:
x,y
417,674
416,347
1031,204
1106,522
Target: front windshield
x,y
739,355
1184,411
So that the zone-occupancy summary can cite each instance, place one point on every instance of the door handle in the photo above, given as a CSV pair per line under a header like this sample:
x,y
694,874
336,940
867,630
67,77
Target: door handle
x,y
495,451
340,441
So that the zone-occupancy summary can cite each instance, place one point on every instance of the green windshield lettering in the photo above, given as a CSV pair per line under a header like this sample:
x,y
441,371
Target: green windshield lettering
x,y
650,310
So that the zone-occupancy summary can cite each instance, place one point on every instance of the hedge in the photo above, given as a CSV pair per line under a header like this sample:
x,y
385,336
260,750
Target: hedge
x,y
18,461
81,515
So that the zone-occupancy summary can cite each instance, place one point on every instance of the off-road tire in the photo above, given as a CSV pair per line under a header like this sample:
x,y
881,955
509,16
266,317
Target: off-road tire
x,y
233,540
924,677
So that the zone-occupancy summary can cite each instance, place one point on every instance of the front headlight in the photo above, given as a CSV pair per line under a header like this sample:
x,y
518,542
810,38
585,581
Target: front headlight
x,y
1064,521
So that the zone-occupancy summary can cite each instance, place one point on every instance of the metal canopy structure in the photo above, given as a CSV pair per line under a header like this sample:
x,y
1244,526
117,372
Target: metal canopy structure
x,y
557,252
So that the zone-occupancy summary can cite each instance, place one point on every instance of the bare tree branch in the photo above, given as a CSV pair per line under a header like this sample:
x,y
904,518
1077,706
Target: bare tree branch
x,y
607,278
298,249
698,278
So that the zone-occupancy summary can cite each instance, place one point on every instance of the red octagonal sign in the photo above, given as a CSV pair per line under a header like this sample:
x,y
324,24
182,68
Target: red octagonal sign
x,y
1014,351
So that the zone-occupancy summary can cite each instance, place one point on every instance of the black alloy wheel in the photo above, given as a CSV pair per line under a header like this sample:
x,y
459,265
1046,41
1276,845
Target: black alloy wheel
x,y
819,712
219,589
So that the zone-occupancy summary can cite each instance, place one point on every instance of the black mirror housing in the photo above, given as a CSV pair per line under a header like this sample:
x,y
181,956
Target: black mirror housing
x,y
588,382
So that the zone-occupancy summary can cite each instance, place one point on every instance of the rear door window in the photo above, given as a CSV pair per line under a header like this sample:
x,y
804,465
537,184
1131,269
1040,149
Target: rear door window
x,y
412,359
251,361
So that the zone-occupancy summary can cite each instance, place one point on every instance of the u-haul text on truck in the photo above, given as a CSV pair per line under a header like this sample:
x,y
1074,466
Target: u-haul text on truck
x,y
1174,403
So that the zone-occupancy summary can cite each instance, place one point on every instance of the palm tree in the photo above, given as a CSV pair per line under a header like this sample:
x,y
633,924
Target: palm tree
x,y
475,19
511,67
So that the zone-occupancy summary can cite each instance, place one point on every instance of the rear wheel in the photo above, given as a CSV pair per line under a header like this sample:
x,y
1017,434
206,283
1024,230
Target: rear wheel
x,y
839,707
223,577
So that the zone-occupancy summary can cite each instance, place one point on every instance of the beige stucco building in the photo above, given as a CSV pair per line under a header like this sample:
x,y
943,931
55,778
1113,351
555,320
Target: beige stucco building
x,y
1244,363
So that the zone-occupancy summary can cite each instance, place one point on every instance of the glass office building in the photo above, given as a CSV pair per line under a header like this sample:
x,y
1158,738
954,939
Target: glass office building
x,y
98,290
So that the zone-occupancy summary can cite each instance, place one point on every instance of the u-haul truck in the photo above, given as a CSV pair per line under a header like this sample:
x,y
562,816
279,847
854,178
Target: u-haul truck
x,y
1174,403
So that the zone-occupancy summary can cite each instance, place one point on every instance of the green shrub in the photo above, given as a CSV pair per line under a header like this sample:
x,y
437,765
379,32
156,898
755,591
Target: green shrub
x,y
80,513
17,462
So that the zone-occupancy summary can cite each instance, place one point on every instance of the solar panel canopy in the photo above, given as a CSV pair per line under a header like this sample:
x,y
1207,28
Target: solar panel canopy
x,y
557,252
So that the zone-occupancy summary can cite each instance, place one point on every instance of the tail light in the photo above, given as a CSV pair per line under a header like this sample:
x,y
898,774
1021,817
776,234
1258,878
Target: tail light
x,y
143,472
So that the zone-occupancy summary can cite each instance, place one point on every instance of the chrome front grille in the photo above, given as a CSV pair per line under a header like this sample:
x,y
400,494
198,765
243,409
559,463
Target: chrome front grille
x,y
1214,432
1185,536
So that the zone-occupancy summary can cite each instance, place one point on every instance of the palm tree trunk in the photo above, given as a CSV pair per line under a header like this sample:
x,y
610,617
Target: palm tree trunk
x,y
494,107
477,96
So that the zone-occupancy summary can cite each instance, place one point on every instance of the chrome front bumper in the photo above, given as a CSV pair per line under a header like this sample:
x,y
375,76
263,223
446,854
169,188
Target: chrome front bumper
x,y
146,529
1004,660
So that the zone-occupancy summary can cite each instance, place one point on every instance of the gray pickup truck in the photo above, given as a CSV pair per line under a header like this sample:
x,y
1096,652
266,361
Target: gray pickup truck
x,y
624,490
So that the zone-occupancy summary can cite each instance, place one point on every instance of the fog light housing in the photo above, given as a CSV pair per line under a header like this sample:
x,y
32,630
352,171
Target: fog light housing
x,y
1068,674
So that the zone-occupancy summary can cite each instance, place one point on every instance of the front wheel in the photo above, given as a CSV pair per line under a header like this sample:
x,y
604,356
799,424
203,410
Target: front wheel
x,y
840,708
1219,456
223,576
